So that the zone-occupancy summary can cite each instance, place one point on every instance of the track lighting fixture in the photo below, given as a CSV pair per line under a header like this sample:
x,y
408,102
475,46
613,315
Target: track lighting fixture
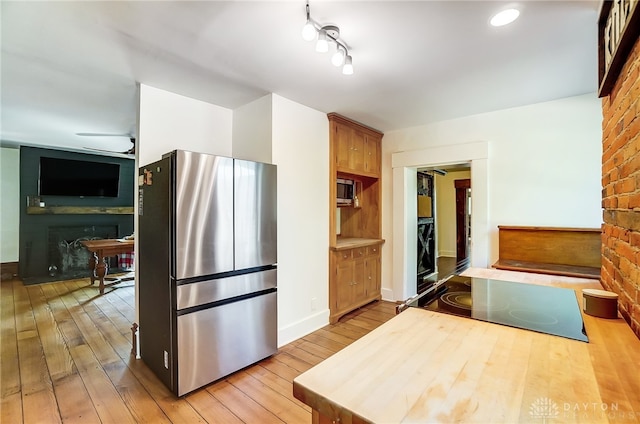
x,y
324,36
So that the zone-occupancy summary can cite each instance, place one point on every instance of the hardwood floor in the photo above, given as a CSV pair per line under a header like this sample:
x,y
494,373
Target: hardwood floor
x,y
66,357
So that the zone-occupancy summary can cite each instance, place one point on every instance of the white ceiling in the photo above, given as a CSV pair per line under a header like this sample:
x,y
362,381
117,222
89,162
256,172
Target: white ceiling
x,y
70,67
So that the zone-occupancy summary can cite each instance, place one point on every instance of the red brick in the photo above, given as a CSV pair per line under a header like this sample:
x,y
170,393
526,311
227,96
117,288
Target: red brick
x,y
623,238
615,173
618,159
631,165
634,201
627,185
632,127
634,277
623,201
626,251
625,270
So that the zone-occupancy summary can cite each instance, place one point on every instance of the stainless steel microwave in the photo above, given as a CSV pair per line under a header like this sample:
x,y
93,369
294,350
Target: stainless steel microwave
x,y
345,191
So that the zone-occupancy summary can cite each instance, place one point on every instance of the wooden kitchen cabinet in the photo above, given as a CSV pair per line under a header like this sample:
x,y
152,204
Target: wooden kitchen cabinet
x,y
356,280
372,147
355,266
350,149
357,149
372,271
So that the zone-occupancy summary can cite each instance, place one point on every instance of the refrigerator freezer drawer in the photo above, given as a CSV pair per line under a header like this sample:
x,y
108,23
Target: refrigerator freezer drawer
x,y
218,341
203,292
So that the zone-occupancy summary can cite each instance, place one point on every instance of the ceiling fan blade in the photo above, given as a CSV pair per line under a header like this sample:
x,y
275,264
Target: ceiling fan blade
x,y
90,134
130,151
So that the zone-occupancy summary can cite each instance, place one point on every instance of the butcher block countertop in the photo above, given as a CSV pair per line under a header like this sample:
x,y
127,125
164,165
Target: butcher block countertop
x,y
424,366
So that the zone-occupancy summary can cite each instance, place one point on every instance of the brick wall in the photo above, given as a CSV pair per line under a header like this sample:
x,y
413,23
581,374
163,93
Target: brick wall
x,y
621,190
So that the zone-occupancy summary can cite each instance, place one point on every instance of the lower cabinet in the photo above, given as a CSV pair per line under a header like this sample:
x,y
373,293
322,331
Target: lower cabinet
x,y
354,280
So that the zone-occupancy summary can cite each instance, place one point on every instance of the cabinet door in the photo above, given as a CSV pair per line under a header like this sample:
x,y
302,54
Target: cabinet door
x,y
372,155
342,145
359,280
344,283
357,152
371,276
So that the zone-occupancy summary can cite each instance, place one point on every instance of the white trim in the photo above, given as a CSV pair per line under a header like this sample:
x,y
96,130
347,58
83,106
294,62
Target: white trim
x,y
404,166
387,294
302,327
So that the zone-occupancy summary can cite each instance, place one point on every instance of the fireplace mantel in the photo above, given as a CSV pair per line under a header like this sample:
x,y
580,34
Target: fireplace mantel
x,y
80,210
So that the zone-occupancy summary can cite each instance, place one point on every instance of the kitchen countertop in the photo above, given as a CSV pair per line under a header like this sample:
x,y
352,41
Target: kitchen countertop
x,y
354,242
424,366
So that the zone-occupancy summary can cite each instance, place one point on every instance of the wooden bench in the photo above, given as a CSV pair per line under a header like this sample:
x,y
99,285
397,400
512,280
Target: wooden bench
x,y
572,252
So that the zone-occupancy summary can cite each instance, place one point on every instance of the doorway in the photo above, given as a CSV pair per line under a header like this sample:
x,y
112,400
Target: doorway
x,y
441,215
463,218
403,204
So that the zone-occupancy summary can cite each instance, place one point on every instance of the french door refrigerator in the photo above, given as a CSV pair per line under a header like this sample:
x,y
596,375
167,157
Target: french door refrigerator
x,y
207,267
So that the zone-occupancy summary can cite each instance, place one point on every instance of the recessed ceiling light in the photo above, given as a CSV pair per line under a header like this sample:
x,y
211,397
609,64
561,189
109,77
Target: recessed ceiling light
x,y
505,17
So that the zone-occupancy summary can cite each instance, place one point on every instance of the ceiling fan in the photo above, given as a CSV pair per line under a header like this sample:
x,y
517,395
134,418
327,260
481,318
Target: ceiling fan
x,y
131,151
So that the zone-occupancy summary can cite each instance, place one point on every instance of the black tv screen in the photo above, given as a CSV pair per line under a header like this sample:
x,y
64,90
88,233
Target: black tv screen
x,y
66,177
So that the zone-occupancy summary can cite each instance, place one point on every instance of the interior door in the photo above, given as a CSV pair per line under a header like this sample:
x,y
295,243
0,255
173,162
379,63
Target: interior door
x,y
463,192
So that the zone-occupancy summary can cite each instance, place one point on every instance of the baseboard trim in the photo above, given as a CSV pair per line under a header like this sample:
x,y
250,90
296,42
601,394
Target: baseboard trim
x,y
8,270
387,294
302,327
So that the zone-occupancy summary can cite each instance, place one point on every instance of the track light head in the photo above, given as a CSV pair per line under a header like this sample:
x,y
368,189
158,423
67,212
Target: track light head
x,y
347,69
308,31
337,59
322,45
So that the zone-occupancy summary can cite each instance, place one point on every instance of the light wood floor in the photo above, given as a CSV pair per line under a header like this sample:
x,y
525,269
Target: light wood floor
x,y
66,357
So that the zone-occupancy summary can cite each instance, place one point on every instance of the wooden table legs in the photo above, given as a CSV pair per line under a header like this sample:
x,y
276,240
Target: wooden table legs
x,y
98,263
100,251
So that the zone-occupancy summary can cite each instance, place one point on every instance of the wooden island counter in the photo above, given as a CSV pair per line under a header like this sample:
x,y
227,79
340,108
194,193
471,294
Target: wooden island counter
x,y
424,366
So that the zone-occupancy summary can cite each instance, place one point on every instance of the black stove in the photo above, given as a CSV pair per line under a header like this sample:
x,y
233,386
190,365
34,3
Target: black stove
x,y
550,310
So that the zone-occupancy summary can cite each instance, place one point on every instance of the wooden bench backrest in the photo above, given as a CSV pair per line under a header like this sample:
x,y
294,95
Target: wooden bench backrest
x,y
553,245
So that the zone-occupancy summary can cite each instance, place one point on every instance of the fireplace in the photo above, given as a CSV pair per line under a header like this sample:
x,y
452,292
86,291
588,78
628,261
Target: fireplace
x,y
67,258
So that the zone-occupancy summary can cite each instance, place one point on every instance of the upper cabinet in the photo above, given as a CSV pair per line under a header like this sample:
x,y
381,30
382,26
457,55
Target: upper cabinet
x,y
357,147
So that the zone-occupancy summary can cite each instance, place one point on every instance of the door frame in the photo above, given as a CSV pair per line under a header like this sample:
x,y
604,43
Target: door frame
x,y
404,206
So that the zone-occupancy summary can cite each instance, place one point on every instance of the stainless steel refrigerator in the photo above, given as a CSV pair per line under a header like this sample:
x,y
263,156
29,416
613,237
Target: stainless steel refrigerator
x,y
207,267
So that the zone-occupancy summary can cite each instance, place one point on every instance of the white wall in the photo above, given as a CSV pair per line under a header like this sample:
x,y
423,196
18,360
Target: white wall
x,y
252,130
271,129
169,121
543,168
9,206
446,211
301,152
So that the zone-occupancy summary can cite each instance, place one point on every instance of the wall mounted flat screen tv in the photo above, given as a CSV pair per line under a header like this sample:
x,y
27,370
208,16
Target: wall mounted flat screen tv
x,y
67,177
